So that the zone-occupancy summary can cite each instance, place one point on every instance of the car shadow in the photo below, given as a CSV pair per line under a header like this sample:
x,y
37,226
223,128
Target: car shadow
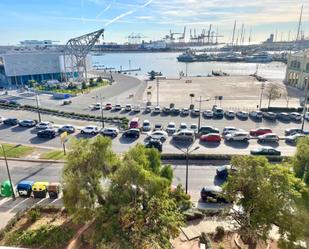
x,y
83,136
210,144
180,144
218,181
284,121
271,144
39,140
34,131
3,127
242,119
229,118
19,129
256,120
237,144
217,117
127,140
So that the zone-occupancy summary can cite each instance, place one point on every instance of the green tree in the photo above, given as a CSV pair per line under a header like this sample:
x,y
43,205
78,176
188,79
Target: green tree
x,y
272,92
167,172
84,85
268,195
130,203
192,95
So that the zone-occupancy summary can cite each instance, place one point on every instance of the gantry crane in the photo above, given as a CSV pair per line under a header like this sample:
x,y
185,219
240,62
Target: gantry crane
x,y
75,54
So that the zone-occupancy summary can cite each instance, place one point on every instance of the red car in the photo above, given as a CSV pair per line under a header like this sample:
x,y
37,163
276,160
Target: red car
x,y
108,106
260,131
211,137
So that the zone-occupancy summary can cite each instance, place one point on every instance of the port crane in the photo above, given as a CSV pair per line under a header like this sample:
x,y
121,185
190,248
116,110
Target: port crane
x,y
75,55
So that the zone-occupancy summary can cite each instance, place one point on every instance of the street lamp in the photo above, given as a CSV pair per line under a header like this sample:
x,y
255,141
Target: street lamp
x,y
8,171
101,107
37,106
187,152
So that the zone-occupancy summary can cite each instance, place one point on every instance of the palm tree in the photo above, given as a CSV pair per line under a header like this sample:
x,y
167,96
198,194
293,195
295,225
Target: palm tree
x,y
192,95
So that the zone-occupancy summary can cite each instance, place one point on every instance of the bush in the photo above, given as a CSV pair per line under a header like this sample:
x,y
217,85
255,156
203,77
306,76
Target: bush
x,y
204,239
33,215
219,234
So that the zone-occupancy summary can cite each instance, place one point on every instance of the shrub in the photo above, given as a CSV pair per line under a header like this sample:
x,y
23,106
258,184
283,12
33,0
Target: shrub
x,y
219,234
33,215
204,239
221,246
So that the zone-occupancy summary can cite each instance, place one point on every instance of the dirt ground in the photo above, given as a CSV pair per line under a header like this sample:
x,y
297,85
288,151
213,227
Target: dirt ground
x,y
237,91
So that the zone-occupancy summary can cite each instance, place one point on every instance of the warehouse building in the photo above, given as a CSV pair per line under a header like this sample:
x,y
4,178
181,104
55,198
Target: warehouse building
x,y
17,68
297,72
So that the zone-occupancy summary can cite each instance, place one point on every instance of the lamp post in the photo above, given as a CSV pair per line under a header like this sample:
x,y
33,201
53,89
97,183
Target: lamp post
x,y
102,114
187,152
261,97
305,106
8,171
37,106
200,109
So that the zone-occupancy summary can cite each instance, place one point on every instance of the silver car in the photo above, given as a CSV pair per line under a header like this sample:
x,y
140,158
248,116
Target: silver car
x,y
269,137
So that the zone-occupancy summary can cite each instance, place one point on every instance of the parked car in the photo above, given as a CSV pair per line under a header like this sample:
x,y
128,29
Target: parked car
x,y
269,115
171,128
157,110
242,114
117,107
183,126
208,129
306,116
10,121
230,114
283,116
194,128
195,112
265,151
166,110
128,108
131,133
108,106
47,133
44,125
160,135
154,143
185,112
260,131
292,131
137,108
97,106
67,128
238,136
230,130
110,132
184,135
224,170
148,109
90,129
211,137
146,126
269,137
27,123
158,127
1,119
218,112
258,115
175,111
134,123
294,138
212,192
208,114
295,116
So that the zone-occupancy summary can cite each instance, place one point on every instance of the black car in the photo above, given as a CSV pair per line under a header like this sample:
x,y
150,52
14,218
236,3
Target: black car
x,y
283,116
10,121
154,143
204,130
175,111
269,115
132,133
266,151
27,123
213,192
48,133
223,171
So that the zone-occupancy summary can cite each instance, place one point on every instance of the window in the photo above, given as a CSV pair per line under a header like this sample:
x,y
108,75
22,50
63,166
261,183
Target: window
x,y
307,67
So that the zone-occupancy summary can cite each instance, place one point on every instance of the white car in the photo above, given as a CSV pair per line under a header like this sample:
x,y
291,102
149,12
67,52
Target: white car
x,y
128,107
137,108
157,110
292,131
97,106
230,130
171,128
194,127
295,116
238,136
118,107
184,135
269,137
185,112
148,109
44,125
208,114
146,125
183,126
1,119
307,116
110,132
293,138
90,129
242,114
230,114
160,135
256,114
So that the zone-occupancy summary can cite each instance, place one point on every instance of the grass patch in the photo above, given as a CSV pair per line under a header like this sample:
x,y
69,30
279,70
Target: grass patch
x,y
16,151
53,155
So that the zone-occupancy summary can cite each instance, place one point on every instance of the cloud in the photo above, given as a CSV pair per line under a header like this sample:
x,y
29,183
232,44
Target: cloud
x,y
104,10
145,17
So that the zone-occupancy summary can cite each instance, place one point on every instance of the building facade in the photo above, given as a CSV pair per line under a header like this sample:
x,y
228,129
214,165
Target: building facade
x,y
297,72
17,68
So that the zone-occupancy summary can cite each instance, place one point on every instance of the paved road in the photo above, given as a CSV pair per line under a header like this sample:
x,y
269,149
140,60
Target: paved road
x,y
199,175
28,136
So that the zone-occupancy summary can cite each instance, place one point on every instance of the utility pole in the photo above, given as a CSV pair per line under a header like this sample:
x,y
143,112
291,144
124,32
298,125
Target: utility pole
x,y
8,171
200,110
262,90
37,106
158,91
102,114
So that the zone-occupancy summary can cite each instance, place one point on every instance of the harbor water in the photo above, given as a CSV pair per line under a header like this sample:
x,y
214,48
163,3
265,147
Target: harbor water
x,y
169,66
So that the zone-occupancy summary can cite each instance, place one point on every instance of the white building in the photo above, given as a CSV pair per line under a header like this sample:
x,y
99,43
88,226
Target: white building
x,y
297,72
17,68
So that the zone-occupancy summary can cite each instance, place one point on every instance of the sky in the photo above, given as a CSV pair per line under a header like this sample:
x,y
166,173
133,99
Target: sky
x,y
60,20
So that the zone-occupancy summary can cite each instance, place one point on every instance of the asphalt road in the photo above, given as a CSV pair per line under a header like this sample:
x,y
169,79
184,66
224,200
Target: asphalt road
x,y
199,175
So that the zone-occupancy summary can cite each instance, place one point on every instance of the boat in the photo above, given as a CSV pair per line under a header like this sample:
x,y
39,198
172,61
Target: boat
x,y
259,58
187,56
